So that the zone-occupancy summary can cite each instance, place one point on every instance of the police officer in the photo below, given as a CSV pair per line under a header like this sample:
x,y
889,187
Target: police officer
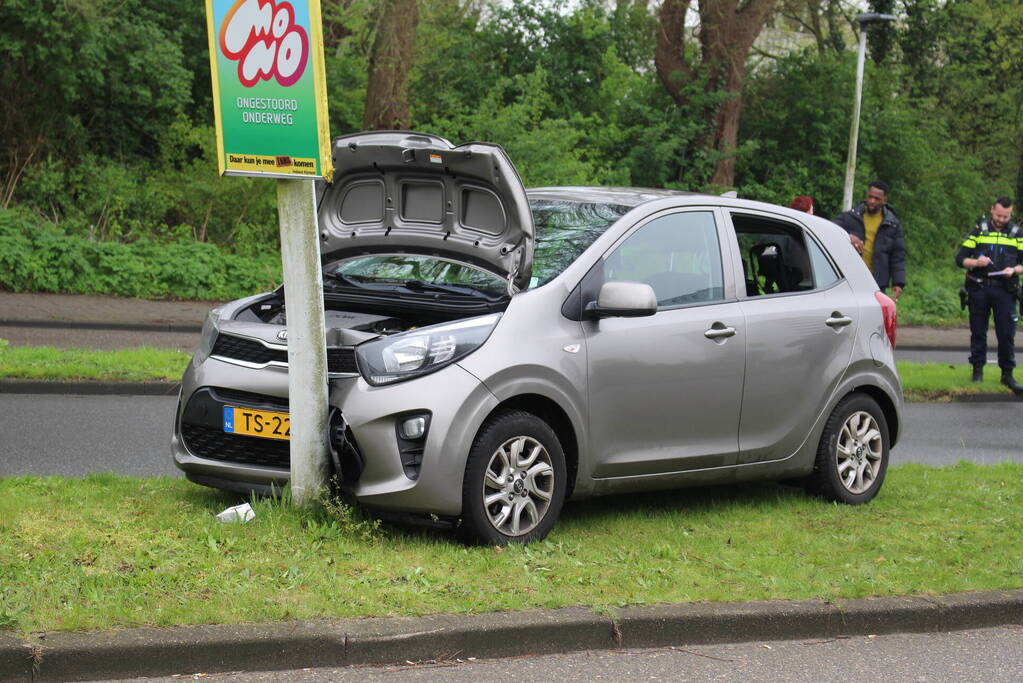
x,y
990,253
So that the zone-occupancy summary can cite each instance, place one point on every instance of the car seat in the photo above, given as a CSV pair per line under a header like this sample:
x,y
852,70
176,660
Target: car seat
x,y
768,261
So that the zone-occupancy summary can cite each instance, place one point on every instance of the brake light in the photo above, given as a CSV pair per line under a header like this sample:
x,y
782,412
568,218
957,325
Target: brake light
x,y
889,314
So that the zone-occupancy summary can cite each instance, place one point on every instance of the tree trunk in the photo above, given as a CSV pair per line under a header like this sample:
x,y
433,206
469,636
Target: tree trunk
x,y
669,58
726,129
389,65
727,33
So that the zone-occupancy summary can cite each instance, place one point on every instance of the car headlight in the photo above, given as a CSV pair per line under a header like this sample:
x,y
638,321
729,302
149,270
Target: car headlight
x,y
210,330
422,351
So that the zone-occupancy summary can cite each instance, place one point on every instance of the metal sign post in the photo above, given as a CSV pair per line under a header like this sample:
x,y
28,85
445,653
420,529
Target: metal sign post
x,y
270,105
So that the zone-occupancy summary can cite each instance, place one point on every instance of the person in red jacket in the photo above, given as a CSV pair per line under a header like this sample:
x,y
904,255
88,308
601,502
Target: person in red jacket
x,y
802,203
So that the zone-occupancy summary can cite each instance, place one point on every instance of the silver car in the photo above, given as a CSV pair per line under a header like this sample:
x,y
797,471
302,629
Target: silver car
x,y
493,351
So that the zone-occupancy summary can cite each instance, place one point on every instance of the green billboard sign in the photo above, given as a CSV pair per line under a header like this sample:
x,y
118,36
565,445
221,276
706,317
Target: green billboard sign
x,y
269,90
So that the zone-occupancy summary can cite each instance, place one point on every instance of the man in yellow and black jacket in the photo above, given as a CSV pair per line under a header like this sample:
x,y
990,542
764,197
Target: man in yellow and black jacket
x,y
991,256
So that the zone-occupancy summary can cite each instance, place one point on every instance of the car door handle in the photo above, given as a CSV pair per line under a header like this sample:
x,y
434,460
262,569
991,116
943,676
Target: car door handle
x,y
719,331
838,320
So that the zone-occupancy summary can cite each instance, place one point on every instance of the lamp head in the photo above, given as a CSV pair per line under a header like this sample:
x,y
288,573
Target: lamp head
x,y
873,17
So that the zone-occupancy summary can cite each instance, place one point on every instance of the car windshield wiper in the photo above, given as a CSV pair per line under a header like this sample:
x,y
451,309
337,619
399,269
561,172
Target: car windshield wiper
x,y
412,285
345,279
420,286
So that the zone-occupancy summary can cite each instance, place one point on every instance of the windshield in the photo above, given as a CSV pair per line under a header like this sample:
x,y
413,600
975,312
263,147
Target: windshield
x,y
419,271
564,229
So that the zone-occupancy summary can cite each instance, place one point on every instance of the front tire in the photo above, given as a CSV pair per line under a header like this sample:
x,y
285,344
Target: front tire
x,y
515,481
852,457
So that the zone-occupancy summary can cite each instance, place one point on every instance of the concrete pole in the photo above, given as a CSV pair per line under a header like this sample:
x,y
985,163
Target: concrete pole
x,y
307,353
854,131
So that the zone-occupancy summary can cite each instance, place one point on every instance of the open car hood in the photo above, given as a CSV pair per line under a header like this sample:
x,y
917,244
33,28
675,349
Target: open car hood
x,y
400,192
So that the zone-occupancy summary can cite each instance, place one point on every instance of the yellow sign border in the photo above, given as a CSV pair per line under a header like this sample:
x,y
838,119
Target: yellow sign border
x,y
215,78
320,86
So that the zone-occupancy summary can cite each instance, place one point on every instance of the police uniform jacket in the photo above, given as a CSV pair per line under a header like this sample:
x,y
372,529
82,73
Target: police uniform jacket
x,y
1002,247
888,263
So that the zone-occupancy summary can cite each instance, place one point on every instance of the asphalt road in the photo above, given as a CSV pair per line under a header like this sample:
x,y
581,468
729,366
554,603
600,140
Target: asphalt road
x,y
80,338
994,654
76,435
953,357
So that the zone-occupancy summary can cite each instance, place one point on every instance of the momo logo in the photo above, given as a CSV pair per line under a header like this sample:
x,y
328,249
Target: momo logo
x,y
261,35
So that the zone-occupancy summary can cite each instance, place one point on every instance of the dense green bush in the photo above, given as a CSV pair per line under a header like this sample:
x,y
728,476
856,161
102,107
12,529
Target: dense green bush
x,y
36,256
177,195
932,298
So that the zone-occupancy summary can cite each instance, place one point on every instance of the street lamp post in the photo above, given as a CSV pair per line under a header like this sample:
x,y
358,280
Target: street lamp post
x,y
850,162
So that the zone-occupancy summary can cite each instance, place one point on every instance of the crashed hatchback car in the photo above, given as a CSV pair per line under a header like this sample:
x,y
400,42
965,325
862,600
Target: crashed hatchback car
x,y
494,351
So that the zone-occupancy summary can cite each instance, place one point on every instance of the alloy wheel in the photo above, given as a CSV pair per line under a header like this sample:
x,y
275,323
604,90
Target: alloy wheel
x,y
859,450
518,485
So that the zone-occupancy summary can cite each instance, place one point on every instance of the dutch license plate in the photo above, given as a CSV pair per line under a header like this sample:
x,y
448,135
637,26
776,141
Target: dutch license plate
x,y
262,423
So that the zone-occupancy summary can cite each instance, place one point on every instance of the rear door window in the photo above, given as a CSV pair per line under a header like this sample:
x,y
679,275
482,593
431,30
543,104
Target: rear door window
x,y
824,272
779,258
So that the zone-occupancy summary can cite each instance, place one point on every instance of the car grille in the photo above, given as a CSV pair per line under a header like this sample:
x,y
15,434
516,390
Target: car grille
x,y
340,360
247,350
216,444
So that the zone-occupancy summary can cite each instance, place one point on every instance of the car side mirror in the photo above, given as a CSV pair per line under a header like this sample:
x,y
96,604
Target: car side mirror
x,y
623,300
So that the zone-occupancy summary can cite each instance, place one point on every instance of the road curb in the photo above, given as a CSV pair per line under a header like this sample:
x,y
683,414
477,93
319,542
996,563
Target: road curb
x,y
28,386
989,398
349,642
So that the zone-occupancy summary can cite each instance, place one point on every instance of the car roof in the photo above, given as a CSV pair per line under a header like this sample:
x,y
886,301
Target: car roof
x,y
625,196
635,196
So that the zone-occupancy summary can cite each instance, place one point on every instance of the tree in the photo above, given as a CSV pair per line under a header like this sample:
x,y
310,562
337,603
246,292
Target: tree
x,y
102,77
981,88
389,65
728,29
824,20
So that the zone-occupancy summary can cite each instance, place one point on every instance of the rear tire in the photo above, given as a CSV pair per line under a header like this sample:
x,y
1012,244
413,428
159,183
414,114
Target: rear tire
x,y
852,457
515,481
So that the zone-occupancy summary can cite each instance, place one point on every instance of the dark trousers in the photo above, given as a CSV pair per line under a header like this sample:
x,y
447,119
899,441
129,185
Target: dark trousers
x,y
985,300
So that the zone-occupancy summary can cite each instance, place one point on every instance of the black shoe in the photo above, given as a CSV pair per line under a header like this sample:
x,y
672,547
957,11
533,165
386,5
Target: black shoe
x,y
978,373
1009,381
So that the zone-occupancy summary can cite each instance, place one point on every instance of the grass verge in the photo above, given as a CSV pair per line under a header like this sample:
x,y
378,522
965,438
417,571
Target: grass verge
x,y
920,381
946,382
61,365
107,551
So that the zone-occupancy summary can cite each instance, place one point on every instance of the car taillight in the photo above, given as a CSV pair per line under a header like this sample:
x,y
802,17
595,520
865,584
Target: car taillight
x,y
889,314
